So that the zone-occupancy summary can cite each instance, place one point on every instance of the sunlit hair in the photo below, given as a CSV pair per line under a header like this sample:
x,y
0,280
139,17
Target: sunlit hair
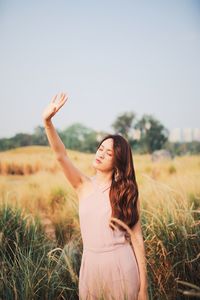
x,y
124,192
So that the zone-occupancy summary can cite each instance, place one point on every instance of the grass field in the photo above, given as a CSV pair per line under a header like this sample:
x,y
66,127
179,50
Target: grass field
x,y
40,225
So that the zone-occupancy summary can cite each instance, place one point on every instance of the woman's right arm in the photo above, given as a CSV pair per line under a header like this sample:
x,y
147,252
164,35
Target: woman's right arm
x,y
73,174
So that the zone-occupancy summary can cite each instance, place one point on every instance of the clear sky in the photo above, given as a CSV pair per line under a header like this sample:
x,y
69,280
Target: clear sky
x,y
109,56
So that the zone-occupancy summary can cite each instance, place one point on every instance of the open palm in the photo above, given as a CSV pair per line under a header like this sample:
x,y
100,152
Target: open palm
x,y
56,103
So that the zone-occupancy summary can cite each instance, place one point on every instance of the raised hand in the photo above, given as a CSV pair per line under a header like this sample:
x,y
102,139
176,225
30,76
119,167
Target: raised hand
x,y
56,103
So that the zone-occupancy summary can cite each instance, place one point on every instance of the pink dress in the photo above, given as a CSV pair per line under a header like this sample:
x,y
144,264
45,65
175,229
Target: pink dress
x,y
109,268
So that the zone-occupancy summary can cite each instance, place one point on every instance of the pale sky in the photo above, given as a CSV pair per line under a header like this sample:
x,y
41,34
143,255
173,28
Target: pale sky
x,y
109,56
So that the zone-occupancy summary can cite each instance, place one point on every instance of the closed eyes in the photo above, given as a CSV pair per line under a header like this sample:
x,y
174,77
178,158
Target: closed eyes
x,y
101,149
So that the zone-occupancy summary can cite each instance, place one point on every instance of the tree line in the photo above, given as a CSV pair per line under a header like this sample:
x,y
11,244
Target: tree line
x,y
145,135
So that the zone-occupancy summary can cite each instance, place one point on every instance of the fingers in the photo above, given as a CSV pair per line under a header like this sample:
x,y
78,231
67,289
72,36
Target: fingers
x,y
53,99
112,225
120,222
62,100
62,97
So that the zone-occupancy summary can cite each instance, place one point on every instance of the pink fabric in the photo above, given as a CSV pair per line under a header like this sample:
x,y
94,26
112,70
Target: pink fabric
x,y
108,266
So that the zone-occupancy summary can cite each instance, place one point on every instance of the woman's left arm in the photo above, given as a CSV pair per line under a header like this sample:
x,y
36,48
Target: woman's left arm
x,y
137,242
139,250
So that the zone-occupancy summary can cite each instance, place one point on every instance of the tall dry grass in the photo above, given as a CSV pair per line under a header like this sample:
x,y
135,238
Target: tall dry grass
x,y
169,192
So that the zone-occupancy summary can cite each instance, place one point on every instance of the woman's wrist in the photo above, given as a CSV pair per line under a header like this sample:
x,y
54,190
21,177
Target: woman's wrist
x,y
47,122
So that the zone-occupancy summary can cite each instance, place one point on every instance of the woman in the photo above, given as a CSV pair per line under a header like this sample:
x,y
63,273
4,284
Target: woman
x,y
109,213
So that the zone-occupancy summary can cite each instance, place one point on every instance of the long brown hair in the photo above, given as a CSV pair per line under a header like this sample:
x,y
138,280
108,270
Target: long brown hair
x,y
123,192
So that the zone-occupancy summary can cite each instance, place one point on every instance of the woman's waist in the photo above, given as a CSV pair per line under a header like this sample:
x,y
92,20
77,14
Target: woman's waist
x,y
105,248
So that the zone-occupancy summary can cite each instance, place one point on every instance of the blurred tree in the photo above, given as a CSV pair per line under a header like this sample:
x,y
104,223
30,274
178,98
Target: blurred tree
x,y
19,140
5,144
39,136
153,135
123,124
22,139
79,137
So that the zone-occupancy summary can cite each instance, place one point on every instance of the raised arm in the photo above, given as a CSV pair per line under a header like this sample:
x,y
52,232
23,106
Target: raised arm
x,y
73,174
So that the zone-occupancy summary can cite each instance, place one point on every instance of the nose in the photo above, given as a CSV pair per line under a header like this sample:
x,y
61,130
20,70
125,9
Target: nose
x,y
101,154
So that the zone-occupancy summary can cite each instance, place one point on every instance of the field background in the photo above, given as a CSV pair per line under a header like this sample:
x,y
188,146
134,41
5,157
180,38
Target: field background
x,y
39,214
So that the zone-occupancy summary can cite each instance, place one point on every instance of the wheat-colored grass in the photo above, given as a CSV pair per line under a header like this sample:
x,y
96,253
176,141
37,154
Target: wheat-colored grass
x,y
169,192
161,185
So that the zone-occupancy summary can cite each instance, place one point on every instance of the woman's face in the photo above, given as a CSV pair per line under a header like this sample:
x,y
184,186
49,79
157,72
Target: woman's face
x,y
104,157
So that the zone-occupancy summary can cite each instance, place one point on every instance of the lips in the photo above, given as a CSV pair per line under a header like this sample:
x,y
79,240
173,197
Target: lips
x,y
98,161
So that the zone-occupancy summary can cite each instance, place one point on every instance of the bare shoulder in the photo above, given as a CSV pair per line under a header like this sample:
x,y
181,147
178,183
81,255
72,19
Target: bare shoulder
x,y
85,188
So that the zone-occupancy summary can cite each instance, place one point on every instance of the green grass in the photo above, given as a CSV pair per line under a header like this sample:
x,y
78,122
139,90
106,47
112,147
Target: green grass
x,y
173,251
34,267
31,267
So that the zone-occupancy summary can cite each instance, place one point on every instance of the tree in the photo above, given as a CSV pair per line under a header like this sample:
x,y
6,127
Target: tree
x,y
79,137
22,140
153,134
124,123
39,136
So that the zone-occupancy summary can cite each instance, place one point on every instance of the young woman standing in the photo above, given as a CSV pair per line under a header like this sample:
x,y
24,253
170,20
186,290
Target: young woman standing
x,y
109,208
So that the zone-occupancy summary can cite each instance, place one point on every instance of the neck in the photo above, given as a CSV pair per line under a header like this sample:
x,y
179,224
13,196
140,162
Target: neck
x,y
102,177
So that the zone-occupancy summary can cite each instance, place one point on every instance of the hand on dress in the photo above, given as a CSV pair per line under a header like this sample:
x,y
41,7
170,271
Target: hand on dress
x,y
120,222
123,225
54,107
143,292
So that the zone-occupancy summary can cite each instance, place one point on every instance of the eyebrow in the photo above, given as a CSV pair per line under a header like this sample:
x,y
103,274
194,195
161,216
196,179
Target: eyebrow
x,y
107,149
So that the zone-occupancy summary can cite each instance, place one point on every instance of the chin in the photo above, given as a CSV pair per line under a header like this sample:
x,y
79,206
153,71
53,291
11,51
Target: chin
x,y
96,166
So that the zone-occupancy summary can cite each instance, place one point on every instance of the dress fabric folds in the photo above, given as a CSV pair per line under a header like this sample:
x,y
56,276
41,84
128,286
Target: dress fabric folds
x,y
109,269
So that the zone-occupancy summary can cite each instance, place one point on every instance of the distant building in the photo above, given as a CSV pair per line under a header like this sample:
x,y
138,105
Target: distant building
x,y
187,135
196,134
175,135
184,135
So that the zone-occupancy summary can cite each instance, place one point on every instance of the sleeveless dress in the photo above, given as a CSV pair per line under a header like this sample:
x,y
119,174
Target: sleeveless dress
x,y
109,269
